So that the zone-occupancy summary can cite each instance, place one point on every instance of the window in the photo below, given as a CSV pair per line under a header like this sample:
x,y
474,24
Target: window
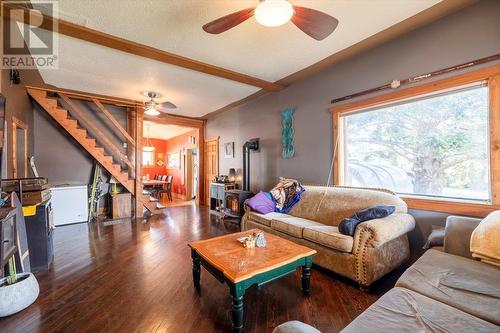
x,y
147,158
432,146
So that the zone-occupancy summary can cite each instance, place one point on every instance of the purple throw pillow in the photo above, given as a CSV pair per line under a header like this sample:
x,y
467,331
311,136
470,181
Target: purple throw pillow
x,y
261,203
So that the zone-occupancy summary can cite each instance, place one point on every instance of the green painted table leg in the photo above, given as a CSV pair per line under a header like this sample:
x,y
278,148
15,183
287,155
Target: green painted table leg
x,y
237,312
306,277
196,270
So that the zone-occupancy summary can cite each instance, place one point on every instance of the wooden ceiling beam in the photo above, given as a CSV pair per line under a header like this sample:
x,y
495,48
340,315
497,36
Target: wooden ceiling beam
x,y
168,119
121,44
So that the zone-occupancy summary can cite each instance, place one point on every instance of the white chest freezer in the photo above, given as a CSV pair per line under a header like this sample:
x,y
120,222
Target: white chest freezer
x,y
69,204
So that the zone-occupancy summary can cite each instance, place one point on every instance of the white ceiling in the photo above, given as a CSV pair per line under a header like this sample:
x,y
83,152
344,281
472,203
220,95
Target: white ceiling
x,y
175,26
161,131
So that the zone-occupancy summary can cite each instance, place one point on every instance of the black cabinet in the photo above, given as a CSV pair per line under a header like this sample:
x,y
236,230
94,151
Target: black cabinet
x,y
40,230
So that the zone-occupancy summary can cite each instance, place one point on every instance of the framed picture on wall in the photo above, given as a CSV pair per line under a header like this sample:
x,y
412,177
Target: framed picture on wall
x,y
174,160
229,150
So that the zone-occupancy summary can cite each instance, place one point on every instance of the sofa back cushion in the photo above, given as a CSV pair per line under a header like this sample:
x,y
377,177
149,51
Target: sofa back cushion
x,y
330,205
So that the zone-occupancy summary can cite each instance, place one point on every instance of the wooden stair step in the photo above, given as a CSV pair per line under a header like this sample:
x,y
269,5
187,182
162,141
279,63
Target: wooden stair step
x,y
153,207
61,113
91,141
108,159
99,151
52,102
71,123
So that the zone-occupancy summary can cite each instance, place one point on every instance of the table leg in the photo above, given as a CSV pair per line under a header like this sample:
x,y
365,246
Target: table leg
x,y
237,311
196,270
306,277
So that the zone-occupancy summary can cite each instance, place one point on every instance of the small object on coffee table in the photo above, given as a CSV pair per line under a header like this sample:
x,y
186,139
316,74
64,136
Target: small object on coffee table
x,y
240,268
255,239
261,240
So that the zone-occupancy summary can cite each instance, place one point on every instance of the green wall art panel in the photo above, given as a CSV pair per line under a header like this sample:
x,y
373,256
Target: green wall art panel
x,y
287,133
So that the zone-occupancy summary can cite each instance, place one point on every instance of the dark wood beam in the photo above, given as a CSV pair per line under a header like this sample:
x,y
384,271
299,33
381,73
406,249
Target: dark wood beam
x,y
168,119
121,44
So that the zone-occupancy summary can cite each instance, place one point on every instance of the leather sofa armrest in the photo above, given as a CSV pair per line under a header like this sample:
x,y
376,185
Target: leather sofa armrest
x,y
457,235
376,232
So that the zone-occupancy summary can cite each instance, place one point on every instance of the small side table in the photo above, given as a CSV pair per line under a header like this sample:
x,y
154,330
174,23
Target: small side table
x,y
121,205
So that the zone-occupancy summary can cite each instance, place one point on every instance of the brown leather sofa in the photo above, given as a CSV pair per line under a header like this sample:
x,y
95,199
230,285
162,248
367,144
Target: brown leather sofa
x,y
377,247
444,291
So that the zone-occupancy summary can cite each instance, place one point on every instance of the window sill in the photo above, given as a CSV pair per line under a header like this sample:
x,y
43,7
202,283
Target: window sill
x,y
466,208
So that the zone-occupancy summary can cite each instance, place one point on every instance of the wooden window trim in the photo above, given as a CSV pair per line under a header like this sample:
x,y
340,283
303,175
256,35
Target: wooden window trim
x,y
153,161
490,74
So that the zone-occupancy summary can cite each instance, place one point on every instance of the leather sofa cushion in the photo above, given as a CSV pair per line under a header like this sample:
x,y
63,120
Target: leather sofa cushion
x,y
468,285
329,236
330,205
265,219
402,310
292,225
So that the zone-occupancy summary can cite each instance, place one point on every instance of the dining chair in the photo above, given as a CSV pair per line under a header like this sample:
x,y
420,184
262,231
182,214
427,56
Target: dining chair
x,y
169,187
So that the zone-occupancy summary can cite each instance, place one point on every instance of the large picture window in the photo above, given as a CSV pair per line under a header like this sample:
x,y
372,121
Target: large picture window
x,y
436,144
433,146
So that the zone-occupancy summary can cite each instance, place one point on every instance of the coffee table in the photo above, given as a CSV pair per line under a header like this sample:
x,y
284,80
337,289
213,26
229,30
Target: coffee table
x,y
229,262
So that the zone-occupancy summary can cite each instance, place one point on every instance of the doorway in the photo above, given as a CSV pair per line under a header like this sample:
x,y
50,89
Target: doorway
x,y
171,162
19,149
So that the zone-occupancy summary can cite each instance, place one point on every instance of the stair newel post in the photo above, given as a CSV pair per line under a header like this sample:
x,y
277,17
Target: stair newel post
x,y
131,148
138,161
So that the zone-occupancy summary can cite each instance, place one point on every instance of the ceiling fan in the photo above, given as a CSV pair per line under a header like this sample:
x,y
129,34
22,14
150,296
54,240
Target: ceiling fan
x,y
153,108
273,13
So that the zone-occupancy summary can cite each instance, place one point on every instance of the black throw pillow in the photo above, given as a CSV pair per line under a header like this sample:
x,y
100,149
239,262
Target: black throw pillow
x,y
348,225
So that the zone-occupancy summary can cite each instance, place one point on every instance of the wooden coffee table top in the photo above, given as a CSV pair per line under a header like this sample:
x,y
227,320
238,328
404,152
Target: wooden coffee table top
x,y
239,263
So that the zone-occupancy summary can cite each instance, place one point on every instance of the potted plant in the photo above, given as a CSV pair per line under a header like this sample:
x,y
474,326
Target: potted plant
x,y
17,291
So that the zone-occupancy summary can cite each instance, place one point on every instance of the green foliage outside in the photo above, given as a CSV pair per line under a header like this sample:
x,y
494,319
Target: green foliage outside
x,y
441,143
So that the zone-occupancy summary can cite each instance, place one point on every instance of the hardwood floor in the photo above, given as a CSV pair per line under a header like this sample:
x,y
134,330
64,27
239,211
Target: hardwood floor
x,y
134,277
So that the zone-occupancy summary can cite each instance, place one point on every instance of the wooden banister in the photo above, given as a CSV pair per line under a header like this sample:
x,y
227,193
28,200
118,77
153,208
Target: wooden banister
x,y
100,134
89,97
114,121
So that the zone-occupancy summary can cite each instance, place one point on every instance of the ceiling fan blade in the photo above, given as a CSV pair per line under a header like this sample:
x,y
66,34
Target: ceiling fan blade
x,y
314,23
163,107
229,21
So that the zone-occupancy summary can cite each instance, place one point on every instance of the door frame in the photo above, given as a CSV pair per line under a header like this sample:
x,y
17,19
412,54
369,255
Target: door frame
x,y
207,197
199,125
19,124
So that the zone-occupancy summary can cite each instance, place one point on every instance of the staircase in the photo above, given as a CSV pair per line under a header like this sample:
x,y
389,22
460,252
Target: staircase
x,y
81,135
152,203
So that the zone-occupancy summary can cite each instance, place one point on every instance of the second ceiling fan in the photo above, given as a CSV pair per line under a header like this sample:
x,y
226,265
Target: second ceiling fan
x,y
273,13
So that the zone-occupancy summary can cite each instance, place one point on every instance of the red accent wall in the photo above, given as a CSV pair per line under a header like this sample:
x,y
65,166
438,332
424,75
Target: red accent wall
x,y
176,144
162,147
160,150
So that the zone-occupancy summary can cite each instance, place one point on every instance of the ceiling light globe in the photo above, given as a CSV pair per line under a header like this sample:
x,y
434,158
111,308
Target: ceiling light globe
x,y
152,112
273,13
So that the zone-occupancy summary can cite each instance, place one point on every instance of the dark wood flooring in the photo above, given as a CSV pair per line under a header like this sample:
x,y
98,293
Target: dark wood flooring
x,y
135,277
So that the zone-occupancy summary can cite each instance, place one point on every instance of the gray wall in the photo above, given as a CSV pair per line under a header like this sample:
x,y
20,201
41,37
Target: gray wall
x,y
460,37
